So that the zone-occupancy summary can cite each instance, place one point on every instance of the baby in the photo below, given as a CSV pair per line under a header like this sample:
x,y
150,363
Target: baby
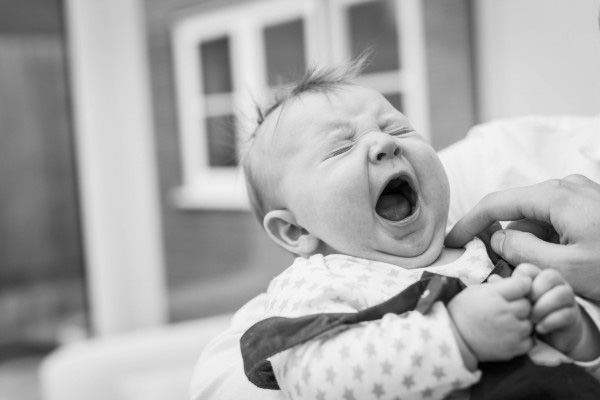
x,y
340,178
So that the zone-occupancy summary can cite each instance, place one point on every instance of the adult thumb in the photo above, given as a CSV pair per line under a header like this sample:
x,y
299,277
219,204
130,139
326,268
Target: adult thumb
x,y
518,247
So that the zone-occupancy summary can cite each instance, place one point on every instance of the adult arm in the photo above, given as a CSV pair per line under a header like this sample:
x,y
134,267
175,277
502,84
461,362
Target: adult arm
x,y
219,373
557,225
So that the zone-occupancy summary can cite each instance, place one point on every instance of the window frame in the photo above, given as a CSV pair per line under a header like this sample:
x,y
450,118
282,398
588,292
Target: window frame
x,y
410,80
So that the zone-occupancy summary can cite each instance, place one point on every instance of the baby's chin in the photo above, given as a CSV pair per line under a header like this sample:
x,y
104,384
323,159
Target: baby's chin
x,y
412,252
410,261
412,248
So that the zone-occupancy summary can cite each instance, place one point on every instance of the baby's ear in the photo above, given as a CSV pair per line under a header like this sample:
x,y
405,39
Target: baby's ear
x,y
283,229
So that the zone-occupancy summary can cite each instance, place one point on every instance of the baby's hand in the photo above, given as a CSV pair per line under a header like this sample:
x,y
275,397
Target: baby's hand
x,y
493,318
556,315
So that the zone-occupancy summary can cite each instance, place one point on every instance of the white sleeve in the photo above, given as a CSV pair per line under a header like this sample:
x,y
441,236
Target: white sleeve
x,y
412,356
468,164
544,354
506,153
593,366
219,372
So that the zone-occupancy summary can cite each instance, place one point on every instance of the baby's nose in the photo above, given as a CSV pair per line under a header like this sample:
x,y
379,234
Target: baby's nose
x,y
383,148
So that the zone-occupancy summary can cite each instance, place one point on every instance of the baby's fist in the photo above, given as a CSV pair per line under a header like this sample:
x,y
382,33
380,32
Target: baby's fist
x,y
493,318
555,312
527,270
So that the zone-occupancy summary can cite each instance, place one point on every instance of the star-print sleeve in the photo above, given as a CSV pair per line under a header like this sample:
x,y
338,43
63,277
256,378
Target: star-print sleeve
x,y
408,356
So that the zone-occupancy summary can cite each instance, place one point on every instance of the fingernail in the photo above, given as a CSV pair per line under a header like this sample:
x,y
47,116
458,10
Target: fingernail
x,y
498,241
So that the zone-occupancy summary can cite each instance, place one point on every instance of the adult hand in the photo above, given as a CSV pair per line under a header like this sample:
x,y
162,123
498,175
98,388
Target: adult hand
x,y
557,225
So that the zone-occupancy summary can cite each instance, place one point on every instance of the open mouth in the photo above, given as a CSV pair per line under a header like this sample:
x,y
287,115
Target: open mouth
x,y
397,201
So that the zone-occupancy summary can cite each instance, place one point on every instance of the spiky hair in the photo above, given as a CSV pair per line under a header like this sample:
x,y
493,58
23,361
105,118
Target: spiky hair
x,y
315,80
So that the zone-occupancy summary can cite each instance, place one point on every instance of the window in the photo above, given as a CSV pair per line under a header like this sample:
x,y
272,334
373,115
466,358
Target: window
x,y
284,52
219,119
394,31
225,59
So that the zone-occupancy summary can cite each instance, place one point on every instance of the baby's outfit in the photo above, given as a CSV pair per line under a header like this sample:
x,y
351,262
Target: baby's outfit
x,y
399,356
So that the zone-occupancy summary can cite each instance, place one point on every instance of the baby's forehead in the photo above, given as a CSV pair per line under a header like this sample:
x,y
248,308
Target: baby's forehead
x,y
335,107
349,97
316,113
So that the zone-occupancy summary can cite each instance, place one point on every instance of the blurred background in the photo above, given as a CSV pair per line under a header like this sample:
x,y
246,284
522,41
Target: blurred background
x,y
122,210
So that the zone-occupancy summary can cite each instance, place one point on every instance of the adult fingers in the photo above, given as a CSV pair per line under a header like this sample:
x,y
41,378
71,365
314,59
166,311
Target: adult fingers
x,y
486,234
512,288
540,229
531,202
522,247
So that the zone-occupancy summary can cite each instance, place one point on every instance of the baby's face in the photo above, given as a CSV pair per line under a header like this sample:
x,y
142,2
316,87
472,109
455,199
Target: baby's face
x,y
357,176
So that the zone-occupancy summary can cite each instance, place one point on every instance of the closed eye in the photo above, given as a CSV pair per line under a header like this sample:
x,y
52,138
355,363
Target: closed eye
x,y
401,131
338,151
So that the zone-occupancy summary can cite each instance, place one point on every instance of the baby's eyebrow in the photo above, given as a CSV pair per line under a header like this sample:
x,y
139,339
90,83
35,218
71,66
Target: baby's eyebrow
x,y
399,124
393,120
339,125
339,130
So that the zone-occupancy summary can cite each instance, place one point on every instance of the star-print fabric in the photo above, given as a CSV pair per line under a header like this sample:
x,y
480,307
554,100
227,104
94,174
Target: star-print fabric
x,y
408,356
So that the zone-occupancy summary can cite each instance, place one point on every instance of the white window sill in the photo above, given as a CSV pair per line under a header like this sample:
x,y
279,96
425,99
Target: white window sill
x,y
213,191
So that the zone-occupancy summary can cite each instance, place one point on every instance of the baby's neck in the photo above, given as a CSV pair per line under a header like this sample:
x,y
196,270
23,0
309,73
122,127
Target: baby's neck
x,y
447,256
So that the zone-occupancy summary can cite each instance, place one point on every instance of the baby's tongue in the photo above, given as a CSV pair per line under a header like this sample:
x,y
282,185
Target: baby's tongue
x,y
394,207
